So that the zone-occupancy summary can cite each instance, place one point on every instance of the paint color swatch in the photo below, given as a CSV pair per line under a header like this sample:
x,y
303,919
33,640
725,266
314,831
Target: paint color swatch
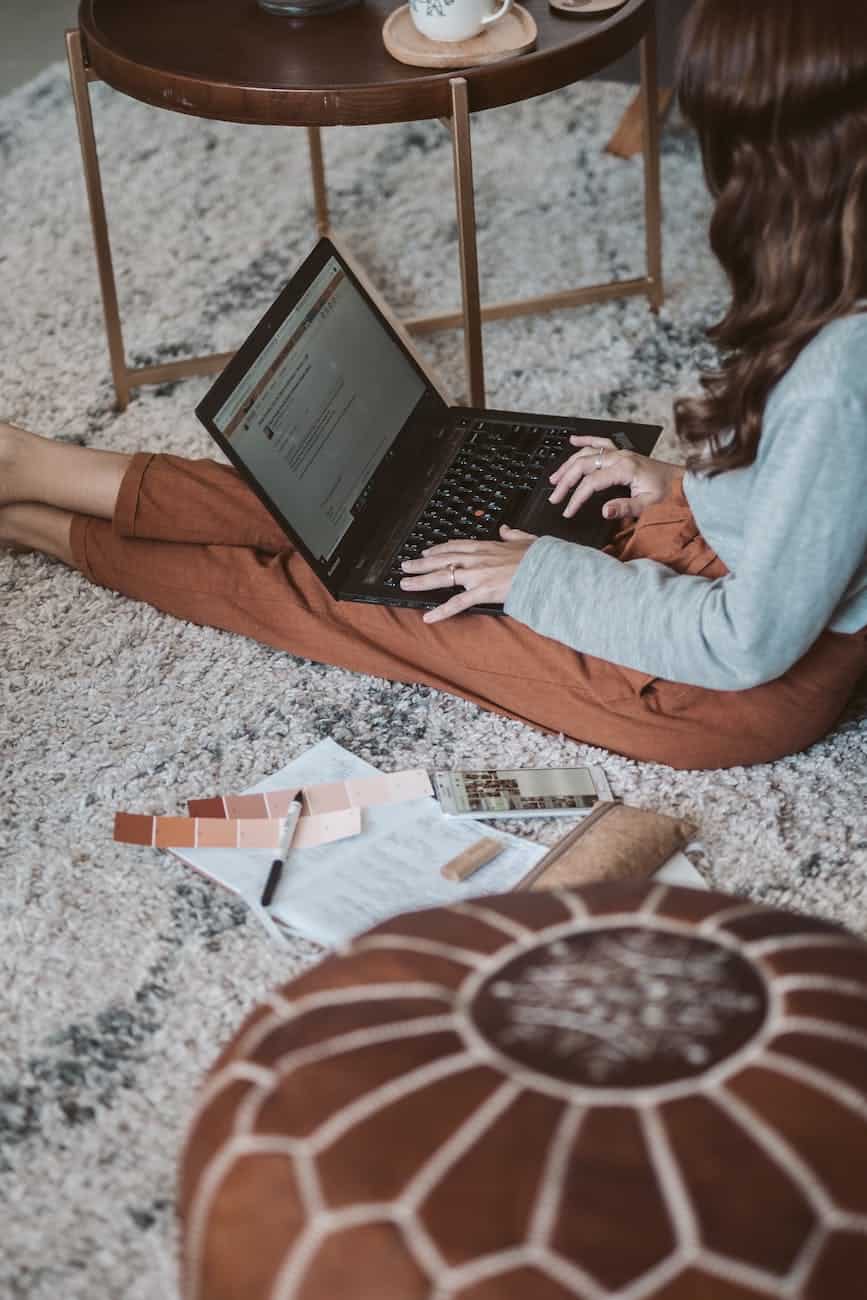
x,y
367,792
233,832
271,803
329,797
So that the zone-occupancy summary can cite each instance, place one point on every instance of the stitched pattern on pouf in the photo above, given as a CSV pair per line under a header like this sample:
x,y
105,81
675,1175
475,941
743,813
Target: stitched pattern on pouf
x,y
585,1094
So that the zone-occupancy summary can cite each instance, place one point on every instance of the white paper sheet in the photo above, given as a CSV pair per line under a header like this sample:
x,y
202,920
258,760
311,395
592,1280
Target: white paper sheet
x,y
678,870
334,891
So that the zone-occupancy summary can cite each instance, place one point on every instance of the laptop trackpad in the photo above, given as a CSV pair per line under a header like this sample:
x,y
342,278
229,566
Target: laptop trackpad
x,y
588,527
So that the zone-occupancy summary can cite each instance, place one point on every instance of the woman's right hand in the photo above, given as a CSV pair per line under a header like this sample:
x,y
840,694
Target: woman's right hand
x,y
599,465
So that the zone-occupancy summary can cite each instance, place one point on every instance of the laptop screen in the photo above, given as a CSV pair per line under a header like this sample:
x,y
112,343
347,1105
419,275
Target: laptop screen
x,y
325,399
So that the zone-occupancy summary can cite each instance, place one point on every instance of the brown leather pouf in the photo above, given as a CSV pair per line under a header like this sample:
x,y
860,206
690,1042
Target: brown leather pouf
x,y
651,1093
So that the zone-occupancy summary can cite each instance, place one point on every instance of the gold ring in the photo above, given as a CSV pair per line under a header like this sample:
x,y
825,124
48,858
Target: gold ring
x,y
451,569
599,458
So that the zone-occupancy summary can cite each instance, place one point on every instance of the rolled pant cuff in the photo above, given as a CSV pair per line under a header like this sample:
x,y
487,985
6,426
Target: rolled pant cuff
x,y
123,520
78,545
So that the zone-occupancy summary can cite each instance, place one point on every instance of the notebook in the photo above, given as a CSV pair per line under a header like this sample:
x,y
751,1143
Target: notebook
x,y
351,447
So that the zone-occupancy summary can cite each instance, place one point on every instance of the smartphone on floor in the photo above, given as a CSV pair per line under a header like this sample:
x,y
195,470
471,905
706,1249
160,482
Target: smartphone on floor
x,y
520,792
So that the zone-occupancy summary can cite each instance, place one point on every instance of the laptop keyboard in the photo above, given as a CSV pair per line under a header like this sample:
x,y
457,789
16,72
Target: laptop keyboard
x,y
497,466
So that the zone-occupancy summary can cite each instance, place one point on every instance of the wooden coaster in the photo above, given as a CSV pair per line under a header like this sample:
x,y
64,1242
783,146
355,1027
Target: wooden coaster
x,y
511,35
586,8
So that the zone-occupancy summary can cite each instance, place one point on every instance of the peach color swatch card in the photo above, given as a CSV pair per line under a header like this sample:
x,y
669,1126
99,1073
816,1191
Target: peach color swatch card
x,y
233,832
319,799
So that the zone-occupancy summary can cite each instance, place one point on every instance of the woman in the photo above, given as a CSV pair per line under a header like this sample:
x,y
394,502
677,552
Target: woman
x,y
727,623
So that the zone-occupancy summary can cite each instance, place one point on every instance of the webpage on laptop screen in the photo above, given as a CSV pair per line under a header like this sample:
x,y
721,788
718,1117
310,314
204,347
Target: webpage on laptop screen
x,y
320,407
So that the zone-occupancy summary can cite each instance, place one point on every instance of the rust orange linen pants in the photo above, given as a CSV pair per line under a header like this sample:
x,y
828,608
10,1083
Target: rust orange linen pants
x,y
189,537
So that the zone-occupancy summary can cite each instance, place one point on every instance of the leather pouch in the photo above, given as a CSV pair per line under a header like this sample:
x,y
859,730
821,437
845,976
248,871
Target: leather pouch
x,y
615,842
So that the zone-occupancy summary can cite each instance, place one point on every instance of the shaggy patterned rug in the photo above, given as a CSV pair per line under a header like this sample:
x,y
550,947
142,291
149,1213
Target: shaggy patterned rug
x,y
121,970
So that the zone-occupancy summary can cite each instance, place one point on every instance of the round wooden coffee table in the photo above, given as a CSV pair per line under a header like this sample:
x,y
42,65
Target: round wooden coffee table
x,y
230,60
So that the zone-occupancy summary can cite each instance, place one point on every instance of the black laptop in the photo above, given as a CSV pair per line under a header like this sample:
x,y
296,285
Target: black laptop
x,y
347,442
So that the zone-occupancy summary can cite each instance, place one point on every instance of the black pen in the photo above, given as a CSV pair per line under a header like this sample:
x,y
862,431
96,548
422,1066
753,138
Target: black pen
x,y
276,871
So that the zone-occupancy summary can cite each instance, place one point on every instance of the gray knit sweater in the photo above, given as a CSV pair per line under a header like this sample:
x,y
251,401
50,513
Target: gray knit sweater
x,y
791,528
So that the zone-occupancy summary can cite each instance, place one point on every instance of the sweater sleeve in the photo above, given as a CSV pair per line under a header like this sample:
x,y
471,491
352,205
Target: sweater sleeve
x,y
804,536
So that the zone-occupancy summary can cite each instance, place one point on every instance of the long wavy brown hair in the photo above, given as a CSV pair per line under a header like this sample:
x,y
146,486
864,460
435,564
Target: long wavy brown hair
x,y
777,91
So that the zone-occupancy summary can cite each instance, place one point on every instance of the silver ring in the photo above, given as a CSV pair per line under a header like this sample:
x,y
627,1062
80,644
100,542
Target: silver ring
x,y
451,569
599,459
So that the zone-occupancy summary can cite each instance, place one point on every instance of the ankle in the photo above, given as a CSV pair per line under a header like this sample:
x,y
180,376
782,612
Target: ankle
x,y
9,531
25,526
14,518
8,537
13,442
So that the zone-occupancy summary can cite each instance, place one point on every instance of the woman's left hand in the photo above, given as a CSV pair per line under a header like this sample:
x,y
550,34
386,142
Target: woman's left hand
x,y
483,569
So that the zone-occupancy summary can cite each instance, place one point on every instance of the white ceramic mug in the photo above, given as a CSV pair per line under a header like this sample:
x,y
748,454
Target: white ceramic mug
x,y
455,20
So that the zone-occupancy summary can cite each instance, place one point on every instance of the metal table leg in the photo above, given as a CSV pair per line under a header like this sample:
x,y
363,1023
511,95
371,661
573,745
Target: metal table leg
x,y
466,211
124,376
650,148
81,98
317,175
